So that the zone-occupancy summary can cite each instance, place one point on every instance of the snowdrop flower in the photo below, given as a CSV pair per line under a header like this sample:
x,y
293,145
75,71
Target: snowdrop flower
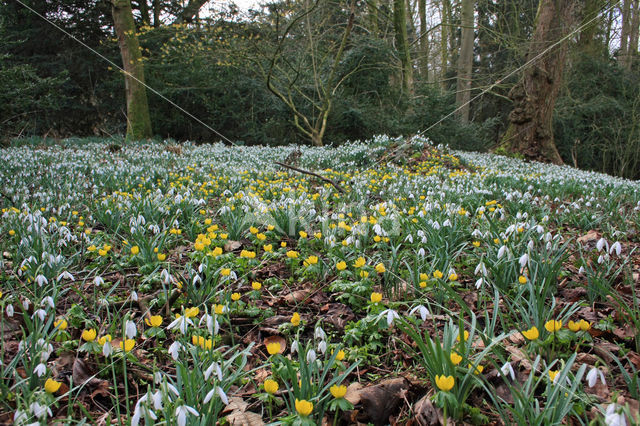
x,y
40,313
48,300
165,277
479,283
480,268
40,410
391,316
612,418
157,400
9,310
593,375
181,414
322,347
502,251
319,333
41,279
174,350
107,349
221,394
130,329
134,296
422,310
181,323
66,275
421,252
294,347
601,244
524,259
196,279
446,223
40,370
212,324
213,366
311,356
98,281
616,247
507,370
409,238
20,417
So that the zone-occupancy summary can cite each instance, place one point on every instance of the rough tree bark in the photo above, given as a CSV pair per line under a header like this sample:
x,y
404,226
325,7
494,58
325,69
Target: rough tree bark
x,y
138,120
424,40
530,131
402,44
190,11
445,22
465,62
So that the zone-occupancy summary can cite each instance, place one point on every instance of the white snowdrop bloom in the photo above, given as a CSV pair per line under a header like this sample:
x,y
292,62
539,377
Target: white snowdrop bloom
x,y
212,324
40,370
435,225
201,268
9,310
539,229
181,323
613,418
107,349
174,350
601,244
40,313
421,252
182,412
134,296
98,281
130,329
446,223
39,410
319,333
524,259
157,400
311,356
530,245
221,394
165,277
422,310
593,375
65,275
170,387
507,370
41,280
480,268
581,270
20,417
476,233
214,366
390,314
600,259
196,280
409,238
502,251
48,301
616,247
479,283
294,347
322,346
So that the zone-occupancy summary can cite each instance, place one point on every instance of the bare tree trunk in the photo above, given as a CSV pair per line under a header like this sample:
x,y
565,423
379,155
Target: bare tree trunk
x,y
138,120
144,12
465,61
530,131
402,44
445,28
157,5
190,11
623,56
424,40
634,30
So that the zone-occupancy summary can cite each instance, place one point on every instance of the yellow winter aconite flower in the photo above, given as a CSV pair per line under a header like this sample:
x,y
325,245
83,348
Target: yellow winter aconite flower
x,y
292,254
273,348
295,319
92,248
154,321
256,285
261,236
453,277
339,355
573,326
455,358
199,246
553,374
225,272
478,369
338,391
380,268
424,277
376,297
218,309
476,243
162,257
522,279
271,386
89,335
253,230
12,232
135,250
268,248
52,386
465,336
445,383
584,325
304,407
341,266
437,274
104,339
235,297
532,333
311,260
191,312
60,324
127,345
248,254
360,262
303,234
553,325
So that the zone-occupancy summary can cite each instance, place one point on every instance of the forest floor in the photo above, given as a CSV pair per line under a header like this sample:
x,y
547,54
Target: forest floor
x,y
205,284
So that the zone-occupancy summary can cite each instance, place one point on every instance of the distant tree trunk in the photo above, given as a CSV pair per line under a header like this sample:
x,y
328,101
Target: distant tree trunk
x,y
402,44
372,17
530,131
445,28
634,31
157,8
138,120
623,55
190,11
424,40
586,41
465,61
144,12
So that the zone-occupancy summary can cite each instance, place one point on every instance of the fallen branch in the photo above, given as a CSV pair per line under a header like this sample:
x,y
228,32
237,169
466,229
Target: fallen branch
x,y
306,172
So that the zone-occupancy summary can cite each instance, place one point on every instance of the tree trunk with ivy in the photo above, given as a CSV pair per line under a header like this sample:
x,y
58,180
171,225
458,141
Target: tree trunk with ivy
x,y
465,61
530,131
138,119
402,44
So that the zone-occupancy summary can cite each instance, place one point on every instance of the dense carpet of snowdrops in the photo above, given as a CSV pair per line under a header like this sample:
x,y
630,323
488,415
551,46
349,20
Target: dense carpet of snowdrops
x,y
191,284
